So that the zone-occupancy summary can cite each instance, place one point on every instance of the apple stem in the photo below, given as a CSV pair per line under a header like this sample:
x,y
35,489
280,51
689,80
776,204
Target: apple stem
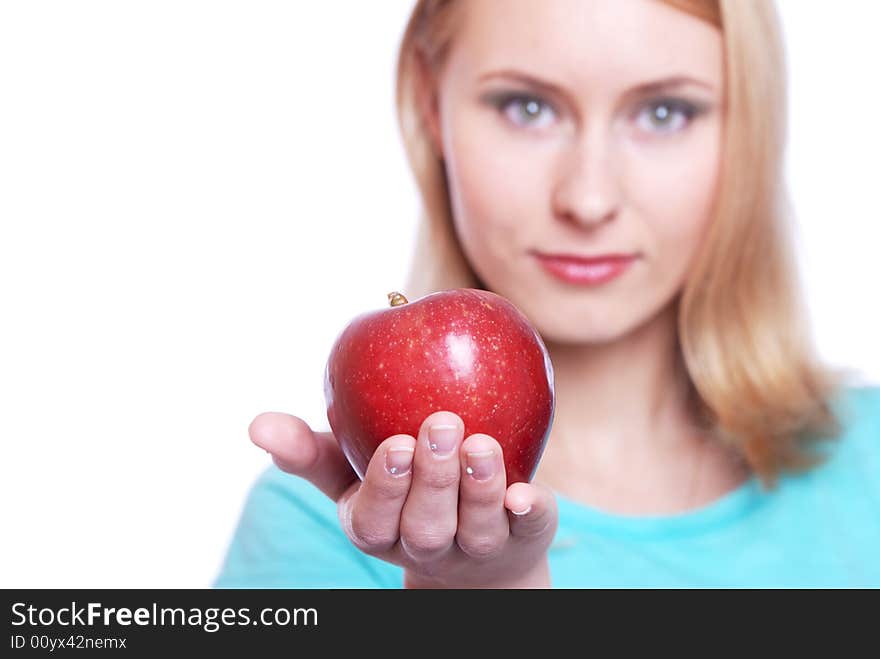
x,y
396,299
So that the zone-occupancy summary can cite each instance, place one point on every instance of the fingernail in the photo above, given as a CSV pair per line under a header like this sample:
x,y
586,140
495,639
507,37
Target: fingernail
x,y
520,513
481,465
398,460
442,438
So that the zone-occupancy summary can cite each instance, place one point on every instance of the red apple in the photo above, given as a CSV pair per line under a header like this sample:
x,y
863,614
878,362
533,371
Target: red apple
x,y
467,351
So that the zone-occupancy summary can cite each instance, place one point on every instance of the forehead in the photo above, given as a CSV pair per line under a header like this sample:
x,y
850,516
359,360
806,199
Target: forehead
x,y
585,43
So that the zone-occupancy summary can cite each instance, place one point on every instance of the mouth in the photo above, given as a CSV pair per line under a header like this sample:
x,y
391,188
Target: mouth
x,y
585,270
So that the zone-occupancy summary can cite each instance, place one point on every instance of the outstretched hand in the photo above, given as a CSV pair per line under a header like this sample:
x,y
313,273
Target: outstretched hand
x,y
436,505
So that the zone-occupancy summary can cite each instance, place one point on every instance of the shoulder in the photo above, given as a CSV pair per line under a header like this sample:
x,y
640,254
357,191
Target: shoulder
x,y
283,509
288,535
854,455
858,410
277,491
863,400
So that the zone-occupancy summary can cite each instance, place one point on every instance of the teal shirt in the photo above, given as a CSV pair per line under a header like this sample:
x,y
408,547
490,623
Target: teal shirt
x,y
816,529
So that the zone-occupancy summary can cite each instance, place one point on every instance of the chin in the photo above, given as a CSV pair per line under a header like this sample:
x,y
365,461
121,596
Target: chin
x,y
597,328
576,337
560,320
566,331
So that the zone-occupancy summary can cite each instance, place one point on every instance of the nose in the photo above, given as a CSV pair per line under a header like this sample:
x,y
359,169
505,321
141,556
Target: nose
x,y
586,188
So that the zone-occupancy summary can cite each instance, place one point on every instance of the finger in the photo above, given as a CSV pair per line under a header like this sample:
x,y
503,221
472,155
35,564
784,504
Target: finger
x,y
298,450
531,510
482,519
430,515
371,516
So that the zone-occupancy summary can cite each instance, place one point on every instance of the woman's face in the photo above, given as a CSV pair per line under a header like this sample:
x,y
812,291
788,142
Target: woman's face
x,y
581,127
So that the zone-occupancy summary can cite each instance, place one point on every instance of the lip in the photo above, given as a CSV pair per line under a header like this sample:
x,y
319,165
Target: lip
x,y
585,270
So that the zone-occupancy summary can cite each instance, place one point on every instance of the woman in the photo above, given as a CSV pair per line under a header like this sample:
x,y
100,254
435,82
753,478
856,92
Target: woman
x,y
691,438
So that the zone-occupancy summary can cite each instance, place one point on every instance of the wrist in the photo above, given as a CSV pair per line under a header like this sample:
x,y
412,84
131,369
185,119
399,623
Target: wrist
x,y
537,577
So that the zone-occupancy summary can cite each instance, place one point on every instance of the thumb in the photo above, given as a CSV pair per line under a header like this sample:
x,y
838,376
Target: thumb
x,y
298,450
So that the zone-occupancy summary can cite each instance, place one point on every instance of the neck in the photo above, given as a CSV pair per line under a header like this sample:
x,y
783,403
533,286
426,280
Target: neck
x,y
624,437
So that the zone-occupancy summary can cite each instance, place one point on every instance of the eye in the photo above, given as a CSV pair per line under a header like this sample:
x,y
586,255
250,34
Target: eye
x,y
523,110
666,115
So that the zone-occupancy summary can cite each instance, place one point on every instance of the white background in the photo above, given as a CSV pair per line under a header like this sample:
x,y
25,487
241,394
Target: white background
x,y
196,196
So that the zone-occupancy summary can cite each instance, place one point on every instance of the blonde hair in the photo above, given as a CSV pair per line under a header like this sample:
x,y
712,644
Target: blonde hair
x,y
756,382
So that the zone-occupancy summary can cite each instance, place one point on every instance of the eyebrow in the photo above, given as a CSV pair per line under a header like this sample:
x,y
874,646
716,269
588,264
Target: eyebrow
x,y
653,86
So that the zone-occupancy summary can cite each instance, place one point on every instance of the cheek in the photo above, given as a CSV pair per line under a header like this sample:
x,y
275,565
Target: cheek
x,y
674,188
494,182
